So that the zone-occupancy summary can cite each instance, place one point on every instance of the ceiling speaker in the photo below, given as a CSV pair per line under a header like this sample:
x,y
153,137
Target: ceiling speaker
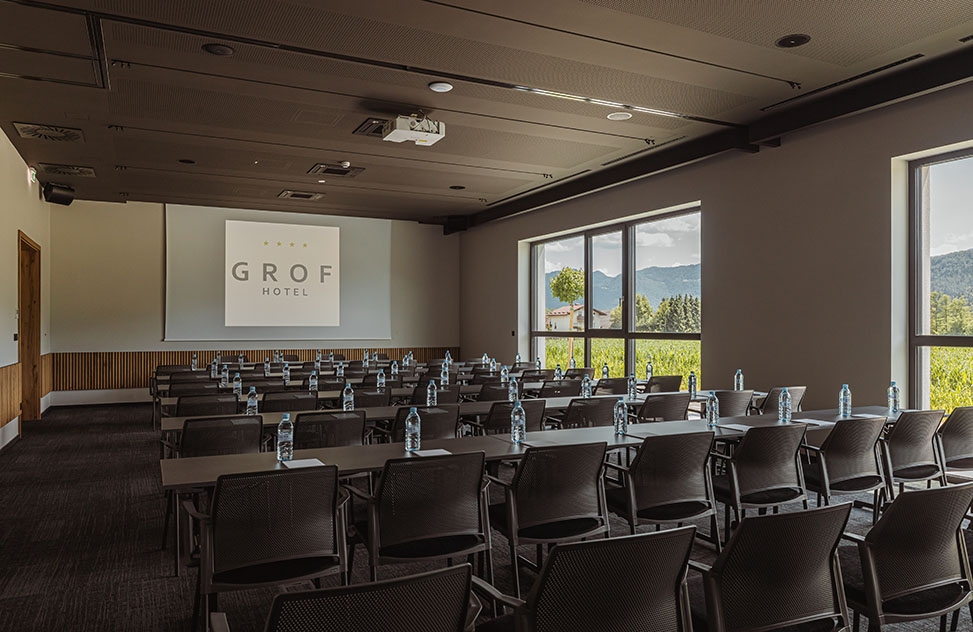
x,y
58,193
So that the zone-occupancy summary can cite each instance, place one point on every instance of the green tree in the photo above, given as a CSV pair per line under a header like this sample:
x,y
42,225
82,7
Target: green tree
x,y
568,287
949,316
677,314
643,314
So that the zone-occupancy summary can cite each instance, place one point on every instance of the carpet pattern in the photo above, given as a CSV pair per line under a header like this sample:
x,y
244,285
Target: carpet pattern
x,y
81,512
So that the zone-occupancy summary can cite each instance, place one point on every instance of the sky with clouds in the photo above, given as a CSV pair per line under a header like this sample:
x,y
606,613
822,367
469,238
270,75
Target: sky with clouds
x,y
951,202
665,243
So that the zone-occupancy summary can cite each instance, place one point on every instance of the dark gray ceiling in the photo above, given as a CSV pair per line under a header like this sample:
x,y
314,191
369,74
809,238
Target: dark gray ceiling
x,y
698,78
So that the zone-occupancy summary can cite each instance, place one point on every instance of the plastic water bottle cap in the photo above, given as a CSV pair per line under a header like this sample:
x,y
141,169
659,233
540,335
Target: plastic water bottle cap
x,y
893,383
783,390
844,386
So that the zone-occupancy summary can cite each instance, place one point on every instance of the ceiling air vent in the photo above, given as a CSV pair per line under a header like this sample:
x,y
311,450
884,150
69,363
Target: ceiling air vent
x,y
49,132
334,171
304,196
371,127
968,38
65,170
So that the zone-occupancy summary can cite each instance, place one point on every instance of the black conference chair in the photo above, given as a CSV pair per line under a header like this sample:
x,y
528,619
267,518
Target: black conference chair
x,y
206,405
560,388
493,392
956,440
497,420
443,395
612,386
435,422
329,429
588,413
769,404
664,407
288,401
663,384
910,450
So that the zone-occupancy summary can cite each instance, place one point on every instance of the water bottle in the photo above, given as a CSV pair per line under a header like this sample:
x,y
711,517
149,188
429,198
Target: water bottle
x,y
844,401
394,369
621,417
331,357
485,359
219,357
285,438
375,357
432,395
252,401
692,384
317,365
712,409
212,368
312,382
195,363
537,363
558,373
493,365
893,398
604,371
317,357
632,387
267,367
237,385
504,374
340,371
239,359
412,431
648,372
380,379
348,397
449,357
276,356
513,393
784,406
444,375
287,374
225,376
517,358
364,360
571,363
518,424
586,386
738,380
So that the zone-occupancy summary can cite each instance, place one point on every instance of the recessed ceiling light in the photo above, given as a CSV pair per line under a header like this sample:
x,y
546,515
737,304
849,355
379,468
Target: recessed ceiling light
x,y
457,187
256,162
187,161
440,86
619,116
793,41
220,50
321,181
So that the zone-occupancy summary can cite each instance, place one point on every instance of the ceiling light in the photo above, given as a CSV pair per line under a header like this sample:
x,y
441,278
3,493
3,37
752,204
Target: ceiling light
x,y
457,187
440,86
793,41
220,50
619,116
321,181
594,101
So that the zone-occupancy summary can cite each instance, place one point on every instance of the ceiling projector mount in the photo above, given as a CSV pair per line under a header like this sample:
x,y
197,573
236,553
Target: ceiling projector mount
x,y
416,128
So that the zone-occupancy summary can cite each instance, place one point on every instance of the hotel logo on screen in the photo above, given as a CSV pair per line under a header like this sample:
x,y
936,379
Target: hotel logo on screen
x,y
282,275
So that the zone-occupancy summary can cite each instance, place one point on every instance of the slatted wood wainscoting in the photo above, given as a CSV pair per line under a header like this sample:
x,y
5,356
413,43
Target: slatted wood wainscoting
x,y
11,390
86,371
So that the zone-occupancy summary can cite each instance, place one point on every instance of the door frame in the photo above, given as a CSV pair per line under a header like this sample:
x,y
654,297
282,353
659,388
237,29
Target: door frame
x,y
29,348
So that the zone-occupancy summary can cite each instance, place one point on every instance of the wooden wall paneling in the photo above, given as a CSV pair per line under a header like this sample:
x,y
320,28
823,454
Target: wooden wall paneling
x,y
47,373
9,393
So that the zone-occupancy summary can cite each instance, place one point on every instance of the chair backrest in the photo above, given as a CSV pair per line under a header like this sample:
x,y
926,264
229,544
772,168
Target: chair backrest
x,y
767,458
576,587
431,497
671,469
199,405
554,483
169,369
536,375
329,429
290,357
560,388
498,419
210,436
779,569
769,404
194,387
390,382
492,392
911,440
481,368
434,374
486,378
275,516
734,403
288,401
329,385
578,373
449,395
664,384
586,413
436,422
612,386
957,435
918,542
849,450
665,407
339,357
383,356
268,385
372,397
189,376
436,601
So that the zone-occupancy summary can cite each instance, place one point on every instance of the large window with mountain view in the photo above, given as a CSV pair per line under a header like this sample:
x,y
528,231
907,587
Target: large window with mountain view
x,y
942,281
620,295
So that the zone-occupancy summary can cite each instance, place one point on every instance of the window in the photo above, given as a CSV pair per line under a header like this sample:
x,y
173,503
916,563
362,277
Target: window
x,y
620,295
942,281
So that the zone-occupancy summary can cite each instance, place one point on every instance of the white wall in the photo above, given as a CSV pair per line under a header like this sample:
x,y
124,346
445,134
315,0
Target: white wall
x,y
797,252
109,271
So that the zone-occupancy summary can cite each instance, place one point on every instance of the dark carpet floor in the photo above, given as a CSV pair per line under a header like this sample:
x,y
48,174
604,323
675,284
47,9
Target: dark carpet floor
x,y
80,526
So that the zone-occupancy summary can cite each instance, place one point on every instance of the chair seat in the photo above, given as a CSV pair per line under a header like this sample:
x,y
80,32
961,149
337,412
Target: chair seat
x,y
961,463
769,497
812,480
275,572
930,600
672,512
557,530
506,623
433,547
916,472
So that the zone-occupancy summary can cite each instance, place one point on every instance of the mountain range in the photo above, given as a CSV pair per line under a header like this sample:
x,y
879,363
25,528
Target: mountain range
x,y
953,274
655,283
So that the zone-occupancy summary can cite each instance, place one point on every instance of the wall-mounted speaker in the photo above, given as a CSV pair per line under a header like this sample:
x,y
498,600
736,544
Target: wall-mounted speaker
x,y
58,193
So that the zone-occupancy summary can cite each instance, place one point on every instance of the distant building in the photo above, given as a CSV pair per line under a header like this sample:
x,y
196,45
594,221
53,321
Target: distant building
x,y
558,319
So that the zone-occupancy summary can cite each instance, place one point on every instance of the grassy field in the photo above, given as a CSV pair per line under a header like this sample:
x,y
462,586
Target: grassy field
x,y
950,377
669,357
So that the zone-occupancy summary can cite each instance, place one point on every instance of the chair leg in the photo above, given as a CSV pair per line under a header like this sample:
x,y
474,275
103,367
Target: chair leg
x,y
714,533
165,520
515,568
857,622
540,556
196,601
953,625
942,619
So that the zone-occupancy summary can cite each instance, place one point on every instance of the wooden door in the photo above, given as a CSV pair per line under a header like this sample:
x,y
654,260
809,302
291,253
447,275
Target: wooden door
x,y
29,304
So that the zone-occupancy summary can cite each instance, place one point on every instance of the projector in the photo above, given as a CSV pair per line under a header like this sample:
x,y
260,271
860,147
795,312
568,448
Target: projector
x,y
421,131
